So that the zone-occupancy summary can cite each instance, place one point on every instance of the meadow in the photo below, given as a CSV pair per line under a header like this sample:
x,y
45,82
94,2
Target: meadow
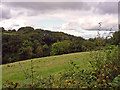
x,y
44,66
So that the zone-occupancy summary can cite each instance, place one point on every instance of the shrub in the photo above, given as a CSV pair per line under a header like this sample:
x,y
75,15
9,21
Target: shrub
x,y
106,64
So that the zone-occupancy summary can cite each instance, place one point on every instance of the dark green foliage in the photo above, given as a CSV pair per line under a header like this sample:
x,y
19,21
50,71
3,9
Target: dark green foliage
x,y
91,39
60,47
46,50
26,29
10,46
88,45
39,51
29,43
76,45
25,52
116,38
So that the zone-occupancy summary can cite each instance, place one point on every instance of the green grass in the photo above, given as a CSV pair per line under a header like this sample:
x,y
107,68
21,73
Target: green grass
x,y
44,66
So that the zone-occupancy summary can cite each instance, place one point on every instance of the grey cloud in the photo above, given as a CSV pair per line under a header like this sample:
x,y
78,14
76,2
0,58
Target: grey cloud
x,y
48,6
108,7
6,13
105,7
35,8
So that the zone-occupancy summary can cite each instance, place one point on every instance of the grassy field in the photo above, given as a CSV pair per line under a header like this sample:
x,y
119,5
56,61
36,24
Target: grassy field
x,y
44,66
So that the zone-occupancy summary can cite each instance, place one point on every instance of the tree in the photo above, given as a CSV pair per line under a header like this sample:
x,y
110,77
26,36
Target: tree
x,y
60,47
76,46
87,45
91,39
46,50
36,43
29,43
39,51
26,29
66,46
26,49
25,52
2,29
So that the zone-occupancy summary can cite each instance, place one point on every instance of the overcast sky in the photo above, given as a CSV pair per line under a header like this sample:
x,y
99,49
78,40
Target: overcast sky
x,y
76,18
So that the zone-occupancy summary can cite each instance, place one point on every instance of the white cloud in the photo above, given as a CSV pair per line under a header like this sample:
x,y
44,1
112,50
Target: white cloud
x,y
15,23
75,21
70,26
91,22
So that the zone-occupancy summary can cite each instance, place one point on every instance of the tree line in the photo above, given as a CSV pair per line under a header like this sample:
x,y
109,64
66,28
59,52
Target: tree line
x,y
27,42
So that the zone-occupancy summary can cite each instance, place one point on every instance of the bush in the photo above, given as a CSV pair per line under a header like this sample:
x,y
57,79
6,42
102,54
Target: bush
x,y
106,65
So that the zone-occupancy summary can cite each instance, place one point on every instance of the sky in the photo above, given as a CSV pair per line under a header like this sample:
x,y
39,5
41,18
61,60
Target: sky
x,y
75,18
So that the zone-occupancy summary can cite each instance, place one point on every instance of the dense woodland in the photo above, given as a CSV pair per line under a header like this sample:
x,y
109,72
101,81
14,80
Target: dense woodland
x,y
27,42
